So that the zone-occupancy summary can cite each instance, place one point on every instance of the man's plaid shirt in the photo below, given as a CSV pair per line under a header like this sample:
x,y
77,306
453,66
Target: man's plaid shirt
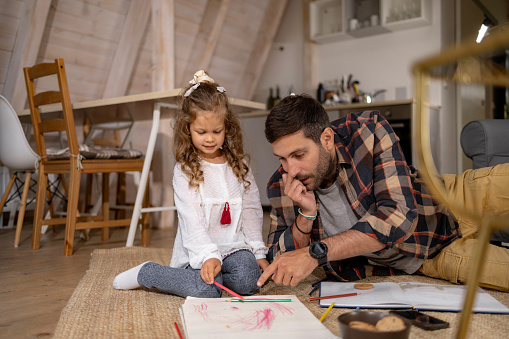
x,y
387,196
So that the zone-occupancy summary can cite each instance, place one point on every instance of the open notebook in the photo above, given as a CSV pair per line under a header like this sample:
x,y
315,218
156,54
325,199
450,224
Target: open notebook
x,y
429,297
217,318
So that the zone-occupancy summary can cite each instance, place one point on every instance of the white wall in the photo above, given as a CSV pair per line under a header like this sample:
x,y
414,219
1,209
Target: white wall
x,y
284,64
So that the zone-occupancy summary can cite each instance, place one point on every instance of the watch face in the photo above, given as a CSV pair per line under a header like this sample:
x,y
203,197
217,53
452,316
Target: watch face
x,y
318,250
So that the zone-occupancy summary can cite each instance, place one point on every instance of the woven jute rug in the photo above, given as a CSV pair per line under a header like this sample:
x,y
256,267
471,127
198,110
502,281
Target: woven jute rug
x,y
97,310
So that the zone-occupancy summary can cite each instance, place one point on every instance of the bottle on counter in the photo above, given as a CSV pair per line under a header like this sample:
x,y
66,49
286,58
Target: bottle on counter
x,y
320,93
277,99
270,100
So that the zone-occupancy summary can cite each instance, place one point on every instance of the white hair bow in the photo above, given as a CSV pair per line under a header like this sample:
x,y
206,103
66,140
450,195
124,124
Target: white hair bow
x,y
201,76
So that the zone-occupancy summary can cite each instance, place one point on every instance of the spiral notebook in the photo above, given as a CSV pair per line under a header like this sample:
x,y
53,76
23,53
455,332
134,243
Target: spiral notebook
x,y
427,297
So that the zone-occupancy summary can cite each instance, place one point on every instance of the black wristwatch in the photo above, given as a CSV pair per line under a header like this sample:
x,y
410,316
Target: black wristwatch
x,y
318,250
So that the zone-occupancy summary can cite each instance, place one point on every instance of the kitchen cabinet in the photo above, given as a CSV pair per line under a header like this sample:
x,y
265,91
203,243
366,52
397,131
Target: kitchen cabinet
x,y
337,20
327,21
404,14
363,18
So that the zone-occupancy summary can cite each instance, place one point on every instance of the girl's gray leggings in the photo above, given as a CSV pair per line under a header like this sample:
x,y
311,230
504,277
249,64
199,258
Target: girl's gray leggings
x,y
239,272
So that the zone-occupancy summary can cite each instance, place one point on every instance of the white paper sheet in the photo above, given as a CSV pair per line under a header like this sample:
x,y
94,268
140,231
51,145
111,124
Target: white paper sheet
x,y
217,318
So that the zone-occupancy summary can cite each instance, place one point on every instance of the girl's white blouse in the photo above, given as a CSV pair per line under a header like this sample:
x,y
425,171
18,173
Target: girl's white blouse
x,y
200,235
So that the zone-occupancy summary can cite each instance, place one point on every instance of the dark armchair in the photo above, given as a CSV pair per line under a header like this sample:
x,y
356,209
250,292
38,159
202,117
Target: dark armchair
x,y
486,142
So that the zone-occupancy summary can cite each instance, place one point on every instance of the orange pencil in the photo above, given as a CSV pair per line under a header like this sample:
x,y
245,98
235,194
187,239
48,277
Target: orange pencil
x,y
334,296
229,291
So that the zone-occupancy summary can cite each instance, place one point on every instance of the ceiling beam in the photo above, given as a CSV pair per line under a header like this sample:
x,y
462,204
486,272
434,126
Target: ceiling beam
x,y
261,48
206,40
127,50
26,47
163,45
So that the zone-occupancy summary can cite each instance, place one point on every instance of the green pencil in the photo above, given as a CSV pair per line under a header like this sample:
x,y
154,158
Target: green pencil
x,y
258,300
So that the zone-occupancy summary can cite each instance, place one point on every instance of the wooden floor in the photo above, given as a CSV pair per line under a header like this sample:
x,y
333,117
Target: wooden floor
x,y
35,285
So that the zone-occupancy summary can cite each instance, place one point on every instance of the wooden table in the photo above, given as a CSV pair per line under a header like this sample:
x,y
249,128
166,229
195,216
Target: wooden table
x,y
140,106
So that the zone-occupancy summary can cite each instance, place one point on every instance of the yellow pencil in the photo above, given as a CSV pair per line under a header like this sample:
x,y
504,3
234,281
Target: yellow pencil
x,y
330,307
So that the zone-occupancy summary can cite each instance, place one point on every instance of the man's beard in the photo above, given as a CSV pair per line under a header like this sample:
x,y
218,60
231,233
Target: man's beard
x,y
323,169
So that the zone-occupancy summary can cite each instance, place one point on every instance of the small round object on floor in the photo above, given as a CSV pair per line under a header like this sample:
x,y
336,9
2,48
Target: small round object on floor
x,y
363,286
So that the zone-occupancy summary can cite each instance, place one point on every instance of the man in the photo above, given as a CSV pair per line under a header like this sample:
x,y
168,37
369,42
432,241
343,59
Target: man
x,y
345,199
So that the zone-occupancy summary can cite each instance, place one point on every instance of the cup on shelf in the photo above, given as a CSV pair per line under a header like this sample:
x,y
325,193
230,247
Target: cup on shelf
x,y
354,24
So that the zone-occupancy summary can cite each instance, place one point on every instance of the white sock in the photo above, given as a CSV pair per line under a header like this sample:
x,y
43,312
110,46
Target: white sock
x,y
128,280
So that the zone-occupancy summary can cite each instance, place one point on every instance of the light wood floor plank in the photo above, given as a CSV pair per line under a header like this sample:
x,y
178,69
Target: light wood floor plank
x,y
35,285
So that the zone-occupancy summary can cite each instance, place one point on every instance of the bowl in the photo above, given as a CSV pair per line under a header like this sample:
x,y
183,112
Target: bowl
x,y
348,332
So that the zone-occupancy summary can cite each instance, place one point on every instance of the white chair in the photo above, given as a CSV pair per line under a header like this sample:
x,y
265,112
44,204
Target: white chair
x,y
17,155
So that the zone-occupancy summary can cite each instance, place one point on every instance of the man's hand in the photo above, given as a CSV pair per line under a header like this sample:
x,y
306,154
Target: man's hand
x,y
290,268
296,191
210,269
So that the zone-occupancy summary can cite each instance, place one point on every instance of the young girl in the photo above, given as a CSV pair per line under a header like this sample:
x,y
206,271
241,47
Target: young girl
x,y
219,234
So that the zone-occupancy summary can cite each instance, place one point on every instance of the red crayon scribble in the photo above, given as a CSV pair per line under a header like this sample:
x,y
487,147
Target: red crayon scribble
x,y
282,308
202,310
261,319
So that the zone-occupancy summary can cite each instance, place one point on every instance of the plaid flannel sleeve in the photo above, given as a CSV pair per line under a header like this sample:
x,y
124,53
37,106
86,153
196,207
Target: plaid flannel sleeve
x,y
382,169
282,217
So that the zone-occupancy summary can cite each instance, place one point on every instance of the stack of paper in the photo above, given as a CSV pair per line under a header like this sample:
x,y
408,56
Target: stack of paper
x,y
220,318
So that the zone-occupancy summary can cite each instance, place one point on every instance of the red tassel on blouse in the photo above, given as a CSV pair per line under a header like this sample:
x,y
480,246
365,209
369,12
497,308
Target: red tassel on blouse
x,y
226,217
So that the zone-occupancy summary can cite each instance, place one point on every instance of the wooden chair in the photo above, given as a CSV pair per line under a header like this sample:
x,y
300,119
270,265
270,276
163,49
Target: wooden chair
x,y
107,133
74,162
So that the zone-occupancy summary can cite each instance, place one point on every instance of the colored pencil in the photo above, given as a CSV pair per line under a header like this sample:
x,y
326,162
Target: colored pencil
x,y
328,310
334,296
259,300
228,290
178,330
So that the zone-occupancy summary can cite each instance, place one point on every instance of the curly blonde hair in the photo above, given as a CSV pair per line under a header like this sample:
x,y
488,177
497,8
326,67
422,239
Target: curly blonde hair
x,y
206,97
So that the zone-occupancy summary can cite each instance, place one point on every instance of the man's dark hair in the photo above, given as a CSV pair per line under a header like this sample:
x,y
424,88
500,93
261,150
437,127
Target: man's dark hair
x,y
296,112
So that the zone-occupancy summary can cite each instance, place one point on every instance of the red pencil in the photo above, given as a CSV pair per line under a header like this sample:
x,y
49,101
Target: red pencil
x,y
334,296
229,291
178,330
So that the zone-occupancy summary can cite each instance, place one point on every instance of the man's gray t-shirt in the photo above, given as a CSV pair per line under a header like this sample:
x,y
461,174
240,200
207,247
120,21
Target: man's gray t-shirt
x,y
337,217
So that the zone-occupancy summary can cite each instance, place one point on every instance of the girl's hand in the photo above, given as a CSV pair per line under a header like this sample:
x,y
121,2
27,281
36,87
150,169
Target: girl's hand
x,y
262,263
210,269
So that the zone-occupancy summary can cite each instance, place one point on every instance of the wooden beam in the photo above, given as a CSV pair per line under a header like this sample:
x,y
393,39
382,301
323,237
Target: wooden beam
x,y
310,77
26,46
127,49
163,45
268,29
163,78
206,40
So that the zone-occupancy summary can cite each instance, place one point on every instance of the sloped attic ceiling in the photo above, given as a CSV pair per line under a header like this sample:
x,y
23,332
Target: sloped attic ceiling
x,y
118,47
